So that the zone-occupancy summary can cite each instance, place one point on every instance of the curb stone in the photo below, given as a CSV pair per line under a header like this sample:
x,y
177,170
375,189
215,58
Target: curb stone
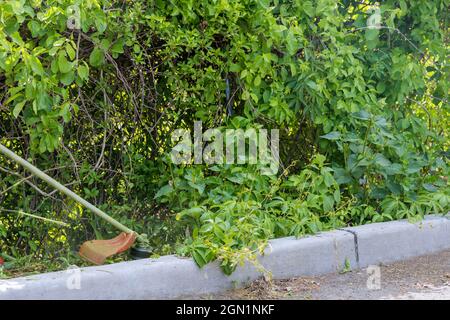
x,y
387,242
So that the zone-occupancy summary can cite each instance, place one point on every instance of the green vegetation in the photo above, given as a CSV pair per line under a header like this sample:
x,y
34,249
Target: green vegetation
x,y
91,90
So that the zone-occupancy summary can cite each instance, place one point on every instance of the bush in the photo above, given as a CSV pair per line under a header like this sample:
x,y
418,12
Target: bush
x,y
92,90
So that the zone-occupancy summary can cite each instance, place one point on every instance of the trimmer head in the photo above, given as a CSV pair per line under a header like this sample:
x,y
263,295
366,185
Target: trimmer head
x,y
140,253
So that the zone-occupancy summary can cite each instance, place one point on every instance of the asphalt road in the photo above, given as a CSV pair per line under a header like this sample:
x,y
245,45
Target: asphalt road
x,y
425,277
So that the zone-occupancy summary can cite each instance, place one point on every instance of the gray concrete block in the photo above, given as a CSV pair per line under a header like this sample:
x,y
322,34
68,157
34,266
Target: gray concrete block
x,y
398,240
323,253
166,277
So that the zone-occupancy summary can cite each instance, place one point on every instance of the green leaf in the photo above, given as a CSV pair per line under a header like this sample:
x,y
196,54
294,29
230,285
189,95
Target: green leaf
x,y
100,21
236,179
63,65
117,47
67,78
235,67
65,112
393,168
372,34
312,85
394,187
165,190
328,179
328,203
308,8
257,81
381,160
194,212
198,258
34,27
15,36
291,43
342,176
202,255
36,65
18,108
414,167
96,58
83,71
70,51
43,101
199,187
334,135
361,115
403,6
381,86
378,193
372,38
429,187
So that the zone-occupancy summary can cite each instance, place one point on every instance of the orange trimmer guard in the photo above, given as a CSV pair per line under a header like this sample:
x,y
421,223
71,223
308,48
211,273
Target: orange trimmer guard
x,y
96,251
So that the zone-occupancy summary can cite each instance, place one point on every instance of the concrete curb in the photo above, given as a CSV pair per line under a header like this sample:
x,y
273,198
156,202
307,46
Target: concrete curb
x,y
399,240
172,277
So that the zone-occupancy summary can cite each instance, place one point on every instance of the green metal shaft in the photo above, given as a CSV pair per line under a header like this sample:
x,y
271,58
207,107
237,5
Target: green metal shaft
x,y
62,188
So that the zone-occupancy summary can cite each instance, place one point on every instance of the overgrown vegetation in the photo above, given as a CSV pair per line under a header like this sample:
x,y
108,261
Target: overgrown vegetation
x,y
363,116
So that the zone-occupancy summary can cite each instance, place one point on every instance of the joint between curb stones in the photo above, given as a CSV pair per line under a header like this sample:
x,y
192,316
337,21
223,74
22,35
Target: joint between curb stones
x,y
355,240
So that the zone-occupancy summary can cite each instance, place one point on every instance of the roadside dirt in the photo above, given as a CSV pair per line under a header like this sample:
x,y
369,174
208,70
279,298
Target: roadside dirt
x,y
425,277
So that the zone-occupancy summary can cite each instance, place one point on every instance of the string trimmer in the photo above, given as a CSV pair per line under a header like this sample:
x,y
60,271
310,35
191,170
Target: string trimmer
x,y
95,251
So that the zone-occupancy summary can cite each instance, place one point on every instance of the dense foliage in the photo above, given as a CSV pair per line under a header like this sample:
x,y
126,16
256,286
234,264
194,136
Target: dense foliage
x,y
90,91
